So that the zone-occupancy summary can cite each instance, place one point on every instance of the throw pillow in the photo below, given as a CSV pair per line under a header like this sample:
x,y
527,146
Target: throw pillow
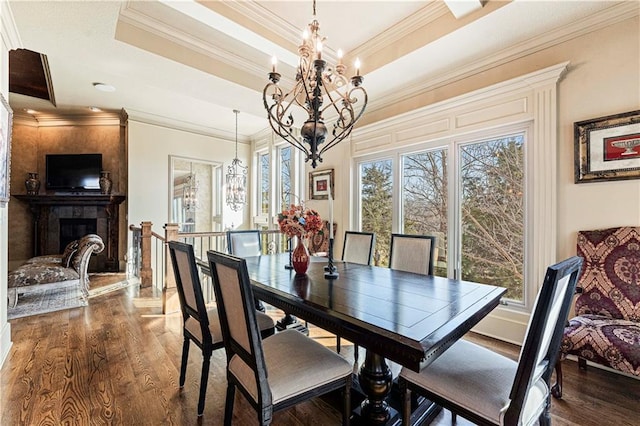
x,y
68,253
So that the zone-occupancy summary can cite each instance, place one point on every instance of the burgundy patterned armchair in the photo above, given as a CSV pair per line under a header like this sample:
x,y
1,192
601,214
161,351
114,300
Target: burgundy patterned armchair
x,y
606,328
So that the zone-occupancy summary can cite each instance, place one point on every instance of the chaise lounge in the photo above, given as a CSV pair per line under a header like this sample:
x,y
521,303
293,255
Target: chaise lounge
x,y
55,271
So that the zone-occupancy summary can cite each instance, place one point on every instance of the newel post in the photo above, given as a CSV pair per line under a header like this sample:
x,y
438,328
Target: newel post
x,y
146,273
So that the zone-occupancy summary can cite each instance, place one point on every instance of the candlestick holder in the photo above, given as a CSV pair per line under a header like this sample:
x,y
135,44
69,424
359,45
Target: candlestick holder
x,y
290,265
331,271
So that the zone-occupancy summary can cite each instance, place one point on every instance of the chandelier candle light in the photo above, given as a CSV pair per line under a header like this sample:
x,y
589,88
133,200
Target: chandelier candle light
x,y
236,179
331,271
318,89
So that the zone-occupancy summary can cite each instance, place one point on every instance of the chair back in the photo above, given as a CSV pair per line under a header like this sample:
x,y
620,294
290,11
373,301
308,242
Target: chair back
x,y
358,247
530,391
412,253
190,294
244,243
240,330
610,256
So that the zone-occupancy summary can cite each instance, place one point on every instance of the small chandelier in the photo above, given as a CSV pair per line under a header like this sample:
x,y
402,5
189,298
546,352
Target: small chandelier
x,y
236,179
190,192
319,89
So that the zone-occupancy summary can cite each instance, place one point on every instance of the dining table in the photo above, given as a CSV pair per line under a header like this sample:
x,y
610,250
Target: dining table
x,y
400,316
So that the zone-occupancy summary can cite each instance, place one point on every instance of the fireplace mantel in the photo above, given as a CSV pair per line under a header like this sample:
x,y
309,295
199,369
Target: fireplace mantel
x,y
48,209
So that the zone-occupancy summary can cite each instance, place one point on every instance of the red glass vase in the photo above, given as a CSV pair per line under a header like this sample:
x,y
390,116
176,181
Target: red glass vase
x,y
300,258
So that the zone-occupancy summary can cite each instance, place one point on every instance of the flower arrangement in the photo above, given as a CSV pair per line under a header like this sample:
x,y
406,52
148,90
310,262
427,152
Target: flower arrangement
x,y
300,222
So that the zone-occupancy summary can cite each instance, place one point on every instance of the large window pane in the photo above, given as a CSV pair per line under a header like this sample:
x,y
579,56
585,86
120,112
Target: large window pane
x,y
285,177
424,200
376,205
492,211
264,184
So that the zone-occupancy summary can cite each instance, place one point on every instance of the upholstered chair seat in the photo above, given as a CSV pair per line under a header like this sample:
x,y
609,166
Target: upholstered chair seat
x,y
479,380
283,367
606,341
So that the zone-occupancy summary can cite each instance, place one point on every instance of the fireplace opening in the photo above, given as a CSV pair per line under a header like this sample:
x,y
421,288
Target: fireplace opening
x,y
73,229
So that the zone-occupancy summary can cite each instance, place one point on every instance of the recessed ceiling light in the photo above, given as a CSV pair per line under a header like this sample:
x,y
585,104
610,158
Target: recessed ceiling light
x,y
103,87
95,109
30,111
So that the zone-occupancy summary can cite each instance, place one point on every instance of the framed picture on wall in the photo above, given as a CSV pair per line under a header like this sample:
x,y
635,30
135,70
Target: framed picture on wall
x,y
607,148
320,183
6,123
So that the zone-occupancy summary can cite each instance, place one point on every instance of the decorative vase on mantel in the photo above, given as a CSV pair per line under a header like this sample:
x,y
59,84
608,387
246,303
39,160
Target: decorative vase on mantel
x,y
105,182
32,184
301,258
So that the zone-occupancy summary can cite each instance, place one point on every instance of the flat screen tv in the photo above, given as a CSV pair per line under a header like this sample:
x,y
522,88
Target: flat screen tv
x,y
73,172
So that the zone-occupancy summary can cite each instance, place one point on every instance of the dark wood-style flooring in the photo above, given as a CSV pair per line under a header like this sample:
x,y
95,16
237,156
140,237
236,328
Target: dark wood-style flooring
x,y
117,361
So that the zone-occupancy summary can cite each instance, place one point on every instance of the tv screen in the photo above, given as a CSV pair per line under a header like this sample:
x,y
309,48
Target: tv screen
x,y
73,172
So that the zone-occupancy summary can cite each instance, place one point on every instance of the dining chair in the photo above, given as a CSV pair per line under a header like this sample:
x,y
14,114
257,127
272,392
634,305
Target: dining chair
x,y
412,253
275,373
490,389
357,248
200,325
246,243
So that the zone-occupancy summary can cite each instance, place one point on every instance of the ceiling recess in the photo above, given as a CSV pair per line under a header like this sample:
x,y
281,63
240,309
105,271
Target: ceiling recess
x,y
29,75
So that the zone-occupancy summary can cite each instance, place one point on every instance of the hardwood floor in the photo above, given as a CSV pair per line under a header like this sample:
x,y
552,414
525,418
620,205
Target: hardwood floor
x,y
117,362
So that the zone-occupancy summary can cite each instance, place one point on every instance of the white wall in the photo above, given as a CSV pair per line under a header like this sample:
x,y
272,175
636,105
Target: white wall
x,y
604,79
148,153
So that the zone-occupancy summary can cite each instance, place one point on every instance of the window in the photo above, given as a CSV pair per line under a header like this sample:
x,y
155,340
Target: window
x,y
285,176
376,191
477,219
278,180
425,200
264,182
491,180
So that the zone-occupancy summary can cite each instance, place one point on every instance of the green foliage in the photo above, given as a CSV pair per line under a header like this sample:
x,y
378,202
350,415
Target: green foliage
x,y
377,208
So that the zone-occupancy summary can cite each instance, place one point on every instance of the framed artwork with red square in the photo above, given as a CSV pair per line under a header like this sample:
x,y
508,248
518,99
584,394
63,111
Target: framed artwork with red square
x,y
607,148
320,183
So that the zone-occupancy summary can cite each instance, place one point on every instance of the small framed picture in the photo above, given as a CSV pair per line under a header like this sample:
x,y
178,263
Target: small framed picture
x,y
320,183
6,124
607,148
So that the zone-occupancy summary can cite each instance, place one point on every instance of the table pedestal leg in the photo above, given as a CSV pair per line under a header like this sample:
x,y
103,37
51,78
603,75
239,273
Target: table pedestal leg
x,y
375,380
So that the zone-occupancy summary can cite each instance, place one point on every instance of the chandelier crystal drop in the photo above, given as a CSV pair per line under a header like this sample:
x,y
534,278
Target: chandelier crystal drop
x,y
319,91
236,179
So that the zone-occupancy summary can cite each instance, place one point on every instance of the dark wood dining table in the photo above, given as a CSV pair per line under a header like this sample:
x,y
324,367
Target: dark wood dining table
x,y
400,316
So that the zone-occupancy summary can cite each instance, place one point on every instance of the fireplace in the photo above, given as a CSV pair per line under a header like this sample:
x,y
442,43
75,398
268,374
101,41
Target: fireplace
x,y
61,218
74,229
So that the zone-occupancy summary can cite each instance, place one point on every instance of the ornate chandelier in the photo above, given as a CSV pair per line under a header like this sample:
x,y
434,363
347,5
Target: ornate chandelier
x,y
190,191
319,90
236,179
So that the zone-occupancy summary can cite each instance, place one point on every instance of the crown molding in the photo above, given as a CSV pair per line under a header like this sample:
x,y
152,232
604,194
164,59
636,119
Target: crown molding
x,y
147,23
423,17
70,119
613,15
10,33
184,126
